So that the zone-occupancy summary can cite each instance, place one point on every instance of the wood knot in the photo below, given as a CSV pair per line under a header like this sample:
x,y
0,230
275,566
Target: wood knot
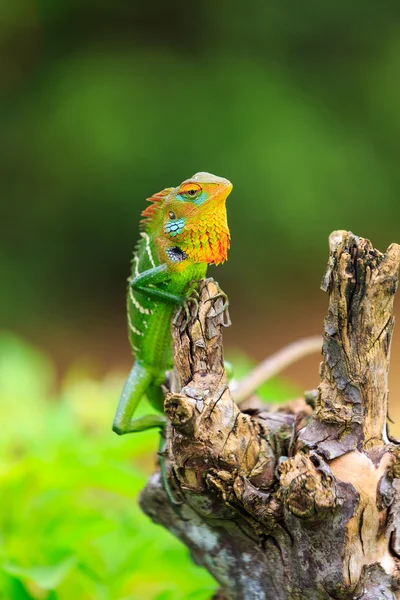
x,y
179,409
306,487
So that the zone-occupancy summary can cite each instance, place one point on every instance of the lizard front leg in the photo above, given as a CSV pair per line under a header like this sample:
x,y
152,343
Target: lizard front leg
x,y
142,378
147,283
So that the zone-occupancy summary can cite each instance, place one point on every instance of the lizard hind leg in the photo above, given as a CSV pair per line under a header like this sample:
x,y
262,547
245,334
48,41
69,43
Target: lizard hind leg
x,y
138,382
155,396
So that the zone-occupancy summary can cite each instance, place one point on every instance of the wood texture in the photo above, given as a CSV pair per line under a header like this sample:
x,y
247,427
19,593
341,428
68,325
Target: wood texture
x,y
299,502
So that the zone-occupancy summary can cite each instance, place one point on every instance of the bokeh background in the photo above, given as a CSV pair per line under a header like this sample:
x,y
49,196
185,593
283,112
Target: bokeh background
x,y
102,104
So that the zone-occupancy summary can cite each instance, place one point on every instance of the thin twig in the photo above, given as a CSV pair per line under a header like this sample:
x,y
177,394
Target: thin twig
x,y
276,363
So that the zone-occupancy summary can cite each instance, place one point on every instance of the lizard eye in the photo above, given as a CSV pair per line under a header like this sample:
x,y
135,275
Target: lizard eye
x,y
172,215
190,191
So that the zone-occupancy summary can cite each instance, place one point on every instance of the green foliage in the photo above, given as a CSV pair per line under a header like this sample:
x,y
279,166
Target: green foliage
x,y
102,104
70,526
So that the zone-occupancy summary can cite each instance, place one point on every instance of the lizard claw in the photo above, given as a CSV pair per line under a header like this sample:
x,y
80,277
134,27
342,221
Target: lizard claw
x,y
222,309
191,306
190,313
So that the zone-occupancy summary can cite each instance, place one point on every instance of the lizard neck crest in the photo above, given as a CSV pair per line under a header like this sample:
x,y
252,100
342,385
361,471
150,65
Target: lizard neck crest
x,y
150,212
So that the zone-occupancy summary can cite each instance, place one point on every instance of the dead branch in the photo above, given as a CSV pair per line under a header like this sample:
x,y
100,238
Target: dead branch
x,y
283,505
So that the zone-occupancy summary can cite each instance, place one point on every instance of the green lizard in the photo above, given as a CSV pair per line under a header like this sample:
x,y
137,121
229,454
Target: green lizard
x,y
184,229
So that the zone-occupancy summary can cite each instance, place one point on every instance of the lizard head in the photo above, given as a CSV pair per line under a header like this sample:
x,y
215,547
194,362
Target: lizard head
x,y
194,218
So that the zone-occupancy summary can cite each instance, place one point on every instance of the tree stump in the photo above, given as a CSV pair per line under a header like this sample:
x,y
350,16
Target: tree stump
x,y
291,504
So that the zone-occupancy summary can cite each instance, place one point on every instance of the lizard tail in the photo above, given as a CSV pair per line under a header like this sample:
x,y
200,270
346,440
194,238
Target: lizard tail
x,y
139,380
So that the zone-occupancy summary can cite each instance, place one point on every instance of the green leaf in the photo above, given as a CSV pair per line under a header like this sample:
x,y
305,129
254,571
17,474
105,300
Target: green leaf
x,y
47,577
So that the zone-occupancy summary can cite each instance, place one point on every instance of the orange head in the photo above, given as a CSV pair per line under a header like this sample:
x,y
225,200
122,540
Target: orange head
x,y
192,218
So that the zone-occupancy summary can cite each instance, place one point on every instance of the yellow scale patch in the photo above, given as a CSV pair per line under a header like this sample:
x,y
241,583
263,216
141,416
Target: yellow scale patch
x,y
208,239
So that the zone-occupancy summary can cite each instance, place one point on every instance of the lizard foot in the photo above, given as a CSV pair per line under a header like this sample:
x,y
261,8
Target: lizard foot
x,y
222,309
191,306
191,309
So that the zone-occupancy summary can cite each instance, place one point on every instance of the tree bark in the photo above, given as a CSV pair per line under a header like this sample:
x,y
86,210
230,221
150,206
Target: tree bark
x,y
291,503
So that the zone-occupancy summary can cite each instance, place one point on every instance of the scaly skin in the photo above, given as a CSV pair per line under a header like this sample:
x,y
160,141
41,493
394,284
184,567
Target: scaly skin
x,y
183,230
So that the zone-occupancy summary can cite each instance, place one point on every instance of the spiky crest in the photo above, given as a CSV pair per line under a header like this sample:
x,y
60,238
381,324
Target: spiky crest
x,y
149,212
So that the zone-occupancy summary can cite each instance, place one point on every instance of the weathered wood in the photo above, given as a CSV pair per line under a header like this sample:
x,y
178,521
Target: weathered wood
x,y
358,330
291,504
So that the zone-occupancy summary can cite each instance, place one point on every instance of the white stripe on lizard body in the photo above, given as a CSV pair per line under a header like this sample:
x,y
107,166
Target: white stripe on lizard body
x,y
148,249
136,304
133,328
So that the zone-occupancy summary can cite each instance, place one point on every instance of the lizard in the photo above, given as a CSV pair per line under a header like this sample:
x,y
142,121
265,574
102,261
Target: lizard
x,y
183,230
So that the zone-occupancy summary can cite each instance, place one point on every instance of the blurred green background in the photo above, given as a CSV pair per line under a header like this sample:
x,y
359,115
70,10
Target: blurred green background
x,y
104,103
